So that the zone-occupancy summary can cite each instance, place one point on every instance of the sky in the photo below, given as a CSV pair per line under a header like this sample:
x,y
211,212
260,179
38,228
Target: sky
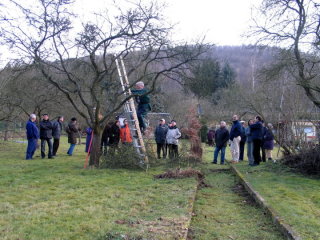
x,y
222,22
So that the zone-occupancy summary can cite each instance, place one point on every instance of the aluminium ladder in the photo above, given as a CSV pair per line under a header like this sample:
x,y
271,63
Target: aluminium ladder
x,y
131,113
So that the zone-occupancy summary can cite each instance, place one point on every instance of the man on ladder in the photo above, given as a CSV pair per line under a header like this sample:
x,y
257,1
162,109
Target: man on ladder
x,y
143,101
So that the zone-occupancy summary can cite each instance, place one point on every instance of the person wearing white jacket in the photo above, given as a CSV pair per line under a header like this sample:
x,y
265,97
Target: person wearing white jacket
x,y
172,137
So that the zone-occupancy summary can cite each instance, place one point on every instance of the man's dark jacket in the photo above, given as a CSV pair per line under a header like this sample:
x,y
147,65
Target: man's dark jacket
x,y
114,135
56,130
160,133
256,130
46,129
32,130
222,137
73,132
243,135
235,130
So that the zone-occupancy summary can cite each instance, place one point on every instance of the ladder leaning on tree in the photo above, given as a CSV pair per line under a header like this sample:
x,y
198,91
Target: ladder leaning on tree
x,y
131,113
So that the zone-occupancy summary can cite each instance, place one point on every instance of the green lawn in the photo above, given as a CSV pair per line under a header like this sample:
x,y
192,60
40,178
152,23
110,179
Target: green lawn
x,y
58,199
224,211
295,197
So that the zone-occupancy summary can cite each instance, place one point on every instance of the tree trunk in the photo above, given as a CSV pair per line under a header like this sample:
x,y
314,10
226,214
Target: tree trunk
x,y
95,150
6,131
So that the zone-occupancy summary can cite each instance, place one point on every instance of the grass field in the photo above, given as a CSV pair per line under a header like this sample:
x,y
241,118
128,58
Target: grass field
x,y
225,211
295,197
58,199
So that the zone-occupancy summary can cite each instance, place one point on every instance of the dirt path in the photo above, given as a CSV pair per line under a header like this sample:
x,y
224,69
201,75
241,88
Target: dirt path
x,y
225,211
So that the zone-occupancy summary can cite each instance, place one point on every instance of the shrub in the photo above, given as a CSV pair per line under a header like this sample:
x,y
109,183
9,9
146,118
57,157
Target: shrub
x,y
306,161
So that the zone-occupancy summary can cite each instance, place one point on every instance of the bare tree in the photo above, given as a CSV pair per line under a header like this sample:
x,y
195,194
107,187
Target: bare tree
x,y
83,67
295,26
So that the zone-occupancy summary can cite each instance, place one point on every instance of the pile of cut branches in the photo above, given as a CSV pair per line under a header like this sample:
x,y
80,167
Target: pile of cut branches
x,y
178,173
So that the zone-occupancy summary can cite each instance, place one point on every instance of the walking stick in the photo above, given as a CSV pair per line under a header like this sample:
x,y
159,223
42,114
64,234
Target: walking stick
x,y
89,150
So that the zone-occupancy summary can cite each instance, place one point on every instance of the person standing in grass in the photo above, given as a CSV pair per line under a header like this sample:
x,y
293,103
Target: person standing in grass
x,y
125,134
88,138
56,133
73,131
114,136
235,138
256,130
268,142
263,151
172,137
243,140
160,136
249,143
46,136
222,138
32,136
210,137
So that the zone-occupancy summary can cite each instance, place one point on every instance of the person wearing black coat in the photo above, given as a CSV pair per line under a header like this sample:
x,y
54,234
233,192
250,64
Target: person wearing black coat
x,y
222,138
243,140
114,136
256,130
105,138
46,136
56,133
264,131
160,136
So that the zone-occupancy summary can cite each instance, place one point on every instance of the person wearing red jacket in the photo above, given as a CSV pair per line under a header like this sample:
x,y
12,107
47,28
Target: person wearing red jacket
x,y
125,134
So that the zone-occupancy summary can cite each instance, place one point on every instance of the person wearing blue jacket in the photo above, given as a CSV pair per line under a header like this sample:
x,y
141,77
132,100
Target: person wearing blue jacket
x,y
235,138
257,136
32,136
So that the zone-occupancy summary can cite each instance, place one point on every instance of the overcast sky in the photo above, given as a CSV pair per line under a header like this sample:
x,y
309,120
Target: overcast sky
x,y
222,22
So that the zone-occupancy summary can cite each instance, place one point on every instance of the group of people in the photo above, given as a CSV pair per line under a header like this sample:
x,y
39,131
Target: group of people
x,y
166,137
258,137
112,134
49,133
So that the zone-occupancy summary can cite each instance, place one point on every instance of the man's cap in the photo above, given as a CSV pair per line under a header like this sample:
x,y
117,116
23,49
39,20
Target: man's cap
x,y
162,119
